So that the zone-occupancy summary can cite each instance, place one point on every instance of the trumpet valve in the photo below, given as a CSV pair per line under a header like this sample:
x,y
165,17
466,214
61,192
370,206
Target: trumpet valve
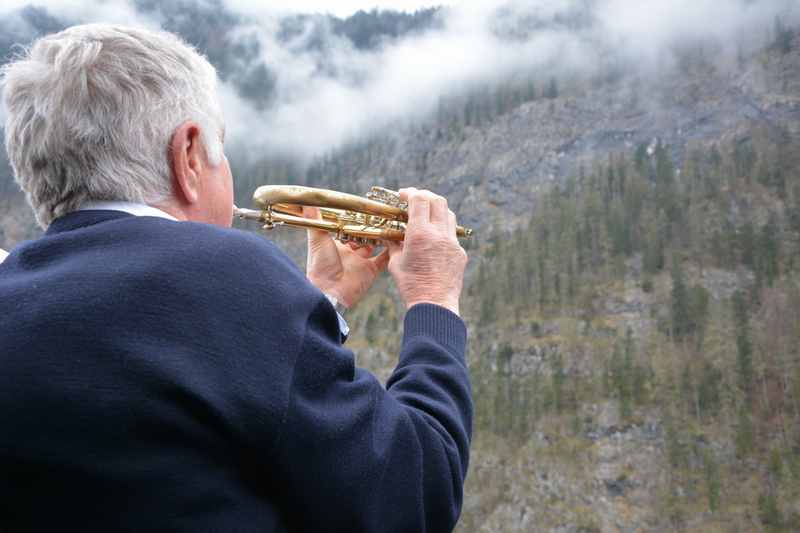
x,y
386,196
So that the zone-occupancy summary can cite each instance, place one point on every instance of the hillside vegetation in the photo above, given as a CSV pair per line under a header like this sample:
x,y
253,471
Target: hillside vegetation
x,y
634,346
633,293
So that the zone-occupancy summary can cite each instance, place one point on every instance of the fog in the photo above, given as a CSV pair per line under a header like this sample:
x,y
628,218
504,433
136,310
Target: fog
x,y
314,112
323,91
340,8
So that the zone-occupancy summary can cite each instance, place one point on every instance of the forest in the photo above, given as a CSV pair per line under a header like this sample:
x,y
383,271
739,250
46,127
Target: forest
x,y
718,367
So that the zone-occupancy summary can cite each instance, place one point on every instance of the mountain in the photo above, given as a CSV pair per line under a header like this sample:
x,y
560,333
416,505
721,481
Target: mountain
x,y
632,294
633,289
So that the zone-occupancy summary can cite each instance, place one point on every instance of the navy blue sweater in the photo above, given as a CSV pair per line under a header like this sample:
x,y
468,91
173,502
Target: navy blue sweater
x,y
173,376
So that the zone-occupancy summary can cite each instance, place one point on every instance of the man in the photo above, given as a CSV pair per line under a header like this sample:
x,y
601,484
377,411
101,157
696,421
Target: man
x,y
162,372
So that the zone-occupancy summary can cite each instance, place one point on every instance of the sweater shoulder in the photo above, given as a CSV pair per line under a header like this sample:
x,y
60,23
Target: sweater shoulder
x,y
223,249
214,258
215,239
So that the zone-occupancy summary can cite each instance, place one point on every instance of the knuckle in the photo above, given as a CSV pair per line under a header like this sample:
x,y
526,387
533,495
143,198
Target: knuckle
x,y
428,236
415,196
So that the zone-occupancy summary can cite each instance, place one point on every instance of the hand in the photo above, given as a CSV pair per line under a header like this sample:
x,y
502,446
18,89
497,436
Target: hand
x,y
428,267
344,271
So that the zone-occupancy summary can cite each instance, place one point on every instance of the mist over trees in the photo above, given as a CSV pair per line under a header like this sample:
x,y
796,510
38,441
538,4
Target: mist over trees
x,y
366,30
212,27
649,295
284,74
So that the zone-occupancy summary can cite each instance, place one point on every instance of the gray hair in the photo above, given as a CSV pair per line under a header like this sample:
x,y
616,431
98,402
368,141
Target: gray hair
x,y
90,113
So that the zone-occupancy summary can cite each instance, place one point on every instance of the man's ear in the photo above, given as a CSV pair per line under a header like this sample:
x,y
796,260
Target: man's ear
x,y
187,162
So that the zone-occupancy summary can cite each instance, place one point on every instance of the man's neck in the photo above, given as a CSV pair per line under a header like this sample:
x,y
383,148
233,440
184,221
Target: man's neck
x,y
172,210
133,208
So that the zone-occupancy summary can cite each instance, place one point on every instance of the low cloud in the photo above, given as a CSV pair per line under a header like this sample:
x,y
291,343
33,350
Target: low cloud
x,y
81,11
478,43
316,90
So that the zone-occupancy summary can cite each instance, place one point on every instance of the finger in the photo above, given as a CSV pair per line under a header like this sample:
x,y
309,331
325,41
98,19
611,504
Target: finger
x,y
404,193
381,260
315,236
363,251
312,212
439,211
357,247
395,248
451,224
419,208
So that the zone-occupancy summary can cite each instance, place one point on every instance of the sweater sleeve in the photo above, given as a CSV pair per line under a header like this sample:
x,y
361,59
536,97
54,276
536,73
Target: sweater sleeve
x,y
333,448
355,456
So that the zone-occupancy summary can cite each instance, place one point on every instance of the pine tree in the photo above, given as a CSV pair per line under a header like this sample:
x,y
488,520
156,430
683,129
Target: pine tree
x,y
768,250
641,159
699,299
571,282
666,190
775,468
488,305
552,89
709,398
543,285
558,382
636,372
370,327
677,454
531,90
713,482
745,434
503,409
769,512
744,348
728,241
744,159
621,379
783,36
653,260
687,389
681,316
747,244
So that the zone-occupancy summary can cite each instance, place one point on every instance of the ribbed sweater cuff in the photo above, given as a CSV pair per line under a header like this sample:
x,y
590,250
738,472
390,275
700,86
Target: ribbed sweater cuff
x,y
437,323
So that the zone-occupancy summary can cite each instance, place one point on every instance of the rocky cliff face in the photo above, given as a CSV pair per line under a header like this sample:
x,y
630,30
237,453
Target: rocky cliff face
x,y
493,174
593,469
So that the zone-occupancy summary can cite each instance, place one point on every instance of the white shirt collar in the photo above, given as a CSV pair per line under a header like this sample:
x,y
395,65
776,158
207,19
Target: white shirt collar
x,y
139,210
3,255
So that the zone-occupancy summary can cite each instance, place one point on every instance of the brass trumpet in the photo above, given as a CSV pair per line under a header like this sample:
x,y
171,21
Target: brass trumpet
x,y
380,215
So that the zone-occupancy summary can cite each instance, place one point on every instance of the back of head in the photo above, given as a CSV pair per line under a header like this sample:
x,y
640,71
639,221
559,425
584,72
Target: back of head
x,y
90,112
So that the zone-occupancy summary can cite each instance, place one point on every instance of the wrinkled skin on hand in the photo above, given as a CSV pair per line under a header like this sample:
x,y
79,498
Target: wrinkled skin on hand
x,y
428,266
343,271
